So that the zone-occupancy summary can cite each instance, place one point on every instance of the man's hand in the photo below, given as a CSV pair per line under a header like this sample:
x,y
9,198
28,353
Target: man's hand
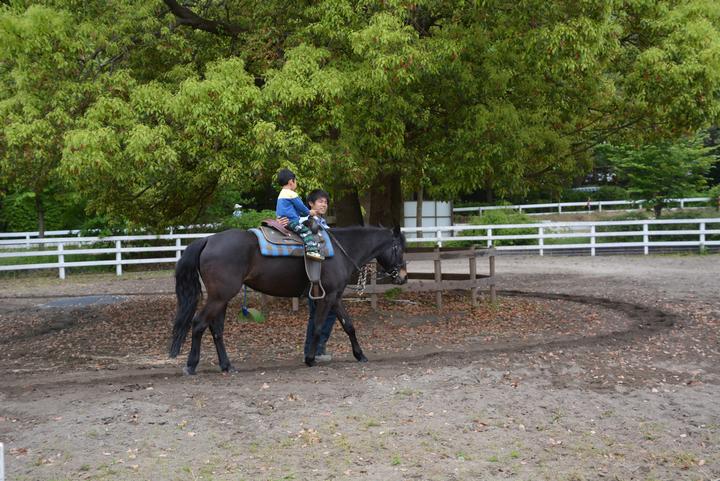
x,y
313,212
283,221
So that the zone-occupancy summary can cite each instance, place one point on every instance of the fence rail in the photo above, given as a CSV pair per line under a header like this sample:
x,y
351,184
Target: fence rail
x,y
13,237
591,237
565,207
596,235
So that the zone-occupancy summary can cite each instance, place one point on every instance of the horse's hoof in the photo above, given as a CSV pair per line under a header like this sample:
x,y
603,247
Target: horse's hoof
x,y
188,371
229,370
361,358
310,361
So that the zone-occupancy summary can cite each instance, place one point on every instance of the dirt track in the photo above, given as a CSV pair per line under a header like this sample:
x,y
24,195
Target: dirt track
x,y
625,387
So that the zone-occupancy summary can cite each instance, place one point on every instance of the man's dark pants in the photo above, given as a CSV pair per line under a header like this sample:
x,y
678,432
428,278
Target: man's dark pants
x,y
324,331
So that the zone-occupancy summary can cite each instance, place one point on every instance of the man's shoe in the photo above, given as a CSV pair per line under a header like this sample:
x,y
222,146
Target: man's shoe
x,y
323,357
316,256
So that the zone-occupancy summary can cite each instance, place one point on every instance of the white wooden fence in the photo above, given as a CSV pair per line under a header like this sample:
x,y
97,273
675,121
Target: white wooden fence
x,y
52,234
592,237
57,247
574,207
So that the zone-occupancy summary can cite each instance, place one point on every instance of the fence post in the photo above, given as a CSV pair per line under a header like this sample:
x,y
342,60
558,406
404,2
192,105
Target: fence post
x,y
682,203
489,237
27,238
438,279
473,275
373,284
541,240
559,209
702,236
118,258
599,206
61,260
592,240
439,238
264,301
295,304
178,246
493,293
646,238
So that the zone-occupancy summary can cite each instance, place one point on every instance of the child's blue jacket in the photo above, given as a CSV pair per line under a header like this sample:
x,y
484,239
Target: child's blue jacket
x,y
289,205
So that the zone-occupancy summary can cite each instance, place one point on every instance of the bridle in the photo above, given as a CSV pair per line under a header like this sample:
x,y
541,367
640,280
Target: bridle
x,y
394,272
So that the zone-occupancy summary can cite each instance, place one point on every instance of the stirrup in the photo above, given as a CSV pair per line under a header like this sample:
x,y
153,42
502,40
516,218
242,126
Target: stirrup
x,y
315,256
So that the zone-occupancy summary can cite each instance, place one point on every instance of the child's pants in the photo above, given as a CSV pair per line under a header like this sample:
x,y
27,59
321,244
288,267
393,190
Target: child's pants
x,y
305,234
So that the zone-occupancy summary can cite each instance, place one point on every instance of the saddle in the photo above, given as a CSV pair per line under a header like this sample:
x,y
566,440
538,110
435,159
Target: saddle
x,y
276,241
276,235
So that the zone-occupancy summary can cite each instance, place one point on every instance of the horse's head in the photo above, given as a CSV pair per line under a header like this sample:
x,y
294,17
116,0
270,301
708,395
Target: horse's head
x,y
391,259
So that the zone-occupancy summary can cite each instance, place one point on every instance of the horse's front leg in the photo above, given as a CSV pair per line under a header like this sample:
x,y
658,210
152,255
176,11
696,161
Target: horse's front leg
x,y
322,309
349,329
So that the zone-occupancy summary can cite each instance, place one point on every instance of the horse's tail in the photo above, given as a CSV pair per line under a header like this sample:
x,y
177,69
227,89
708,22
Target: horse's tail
x,y
188,292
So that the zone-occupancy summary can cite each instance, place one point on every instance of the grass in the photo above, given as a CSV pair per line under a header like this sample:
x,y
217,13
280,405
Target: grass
x,y
461,456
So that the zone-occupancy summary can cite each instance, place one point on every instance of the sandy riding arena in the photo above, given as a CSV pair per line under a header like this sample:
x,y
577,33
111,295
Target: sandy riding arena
x,y
585,369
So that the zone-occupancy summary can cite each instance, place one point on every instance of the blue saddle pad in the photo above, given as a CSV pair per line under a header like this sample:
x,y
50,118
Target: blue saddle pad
x,y
277,250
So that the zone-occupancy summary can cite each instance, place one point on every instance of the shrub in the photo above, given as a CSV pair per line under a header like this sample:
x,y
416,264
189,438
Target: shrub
x,y
503,216
18,212
610,192
248,219
574,196
714,195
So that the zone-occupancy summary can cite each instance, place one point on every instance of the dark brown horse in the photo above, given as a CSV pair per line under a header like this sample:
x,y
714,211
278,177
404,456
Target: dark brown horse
x,y
229,259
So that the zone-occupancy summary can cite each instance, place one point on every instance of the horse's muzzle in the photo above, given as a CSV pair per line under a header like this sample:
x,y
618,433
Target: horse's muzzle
x,y
401,277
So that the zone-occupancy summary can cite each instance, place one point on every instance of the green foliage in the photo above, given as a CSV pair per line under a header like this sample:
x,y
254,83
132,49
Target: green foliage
x,y
18,212
656,172
714,194
248,219
151,122
503,216
610,192
575,196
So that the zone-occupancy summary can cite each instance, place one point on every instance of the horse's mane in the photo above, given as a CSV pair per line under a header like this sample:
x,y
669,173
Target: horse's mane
x,y
361,229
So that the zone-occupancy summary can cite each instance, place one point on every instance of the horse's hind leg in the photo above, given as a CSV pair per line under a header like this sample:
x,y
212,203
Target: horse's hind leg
x,y
217,327
349,329
210,311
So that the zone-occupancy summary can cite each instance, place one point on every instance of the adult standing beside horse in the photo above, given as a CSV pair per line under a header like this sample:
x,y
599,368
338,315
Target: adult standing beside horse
x,y
319,201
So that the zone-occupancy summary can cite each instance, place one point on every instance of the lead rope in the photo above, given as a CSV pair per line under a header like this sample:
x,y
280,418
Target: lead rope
x,y
365,271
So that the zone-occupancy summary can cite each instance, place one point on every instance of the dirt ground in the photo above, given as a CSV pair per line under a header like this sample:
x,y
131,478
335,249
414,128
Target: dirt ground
x,y
587,368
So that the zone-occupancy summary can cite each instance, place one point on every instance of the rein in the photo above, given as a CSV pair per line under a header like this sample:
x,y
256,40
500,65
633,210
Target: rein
x,y
342,249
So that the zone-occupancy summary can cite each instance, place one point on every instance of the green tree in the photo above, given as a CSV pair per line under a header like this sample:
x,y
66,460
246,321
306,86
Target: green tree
x,y
372,98
661,171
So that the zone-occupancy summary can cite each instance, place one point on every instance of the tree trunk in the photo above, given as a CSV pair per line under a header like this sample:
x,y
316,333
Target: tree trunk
x,y
40,215
386,202
347,209
657,208
489,194
419,210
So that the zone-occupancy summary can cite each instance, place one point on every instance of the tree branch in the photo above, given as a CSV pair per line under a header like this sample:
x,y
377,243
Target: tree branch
x,y
187,17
